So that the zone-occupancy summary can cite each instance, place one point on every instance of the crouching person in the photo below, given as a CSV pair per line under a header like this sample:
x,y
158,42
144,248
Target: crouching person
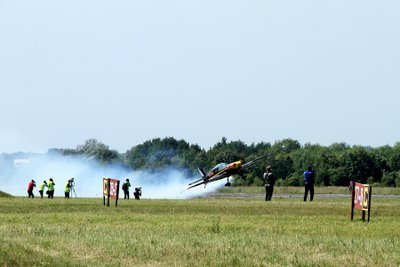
x,y
138,192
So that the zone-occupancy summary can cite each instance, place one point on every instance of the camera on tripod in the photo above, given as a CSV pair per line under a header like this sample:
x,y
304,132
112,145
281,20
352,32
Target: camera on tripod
x,y
71,183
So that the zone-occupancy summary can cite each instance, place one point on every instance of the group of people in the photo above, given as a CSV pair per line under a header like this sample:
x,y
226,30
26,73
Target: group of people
x,y
50,188
125,187
69,186
269,181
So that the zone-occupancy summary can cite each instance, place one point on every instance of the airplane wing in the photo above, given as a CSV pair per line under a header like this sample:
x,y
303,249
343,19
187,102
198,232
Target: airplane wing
x,y
253,161
201,179
194,185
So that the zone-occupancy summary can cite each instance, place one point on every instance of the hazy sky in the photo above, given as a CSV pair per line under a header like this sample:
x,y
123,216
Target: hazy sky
x,y
124,72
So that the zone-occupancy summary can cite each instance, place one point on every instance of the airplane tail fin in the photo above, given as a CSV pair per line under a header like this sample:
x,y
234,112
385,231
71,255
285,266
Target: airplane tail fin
x,y
203,176
202,172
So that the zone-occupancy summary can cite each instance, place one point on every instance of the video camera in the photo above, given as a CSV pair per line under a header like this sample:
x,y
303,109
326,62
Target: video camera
x,y
71,182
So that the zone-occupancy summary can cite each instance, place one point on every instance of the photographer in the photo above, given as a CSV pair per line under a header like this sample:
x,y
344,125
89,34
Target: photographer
x,y
50,188
138,192
68,187
31,185
41,188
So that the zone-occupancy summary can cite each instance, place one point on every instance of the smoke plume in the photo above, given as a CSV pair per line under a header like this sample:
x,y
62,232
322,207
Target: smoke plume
x,y
16,173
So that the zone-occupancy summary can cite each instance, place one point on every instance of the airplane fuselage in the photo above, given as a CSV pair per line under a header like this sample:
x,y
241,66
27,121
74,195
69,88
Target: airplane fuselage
x,y
228,169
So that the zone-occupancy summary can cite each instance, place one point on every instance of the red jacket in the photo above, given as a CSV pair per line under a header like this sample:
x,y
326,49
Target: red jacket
x,y
31,185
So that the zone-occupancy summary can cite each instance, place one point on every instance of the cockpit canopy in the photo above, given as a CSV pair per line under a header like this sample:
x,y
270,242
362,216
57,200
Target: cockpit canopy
x,y
218,168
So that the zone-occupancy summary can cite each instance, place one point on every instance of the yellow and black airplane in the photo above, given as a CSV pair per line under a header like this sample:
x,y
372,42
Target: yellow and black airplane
x,y
223,170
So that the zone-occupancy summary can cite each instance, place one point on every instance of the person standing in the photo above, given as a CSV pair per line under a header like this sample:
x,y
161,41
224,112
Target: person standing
x,y
125,188
41,188
269,180
50,187
31,185
309,178
67,188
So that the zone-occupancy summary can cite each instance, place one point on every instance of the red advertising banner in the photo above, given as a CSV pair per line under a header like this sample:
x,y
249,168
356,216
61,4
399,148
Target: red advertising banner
x,y
360,198
110,190
114,188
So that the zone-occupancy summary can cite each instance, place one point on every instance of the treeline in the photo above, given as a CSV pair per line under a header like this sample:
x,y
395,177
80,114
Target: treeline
x,y
336,164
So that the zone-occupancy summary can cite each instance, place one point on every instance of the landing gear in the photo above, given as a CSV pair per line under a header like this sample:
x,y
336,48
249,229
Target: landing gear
x,y
228,183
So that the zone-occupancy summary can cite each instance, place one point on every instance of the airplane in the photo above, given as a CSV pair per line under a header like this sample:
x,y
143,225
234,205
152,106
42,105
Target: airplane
x,y
221,171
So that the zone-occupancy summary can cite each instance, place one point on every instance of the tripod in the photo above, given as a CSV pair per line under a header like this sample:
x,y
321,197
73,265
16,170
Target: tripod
x,y
73,189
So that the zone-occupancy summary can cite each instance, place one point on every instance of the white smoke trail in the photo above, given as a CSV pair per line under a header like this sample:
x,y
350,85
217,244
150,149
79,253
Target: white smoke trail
x,y
88,174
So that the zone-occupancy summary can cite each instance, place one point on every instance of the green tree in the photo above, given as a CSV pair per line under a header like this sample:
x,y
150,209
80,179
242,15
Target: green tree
x,y
100,151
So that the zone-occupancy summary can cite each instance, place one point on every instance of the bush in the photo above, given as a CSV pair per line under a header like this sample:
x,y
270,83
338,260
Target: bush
x,y
370,180
389,179
280,182
294,181
397,182
4,194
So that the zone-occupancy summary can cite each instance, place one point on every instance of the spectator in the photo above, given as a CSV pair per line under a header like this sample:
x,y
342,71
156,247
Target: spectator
x,y
309,178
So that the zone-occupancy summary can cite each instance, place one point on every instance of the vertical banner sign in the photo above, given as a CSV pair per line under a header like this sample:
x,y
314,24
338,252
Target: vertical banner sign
x,y
105,192
110,190
361,199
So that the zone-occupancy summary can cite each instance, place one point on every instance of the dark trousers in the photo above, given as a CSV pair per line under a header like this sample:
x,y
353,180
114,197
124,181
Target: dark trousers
x,y
126,194
41,193
30,194
51,193
66,194
269,190
309,187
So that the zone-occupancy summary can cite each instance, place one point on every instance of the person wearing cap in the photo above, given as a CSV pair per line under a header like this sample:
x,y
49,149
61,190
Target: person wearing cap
x,y
269,180
41,188
309,178
31,185
125,187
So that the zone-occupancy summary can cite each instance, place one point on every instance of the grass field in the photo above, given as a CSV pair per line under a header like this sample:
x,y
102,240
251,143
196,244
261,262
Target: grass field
x,y
198,232
300,190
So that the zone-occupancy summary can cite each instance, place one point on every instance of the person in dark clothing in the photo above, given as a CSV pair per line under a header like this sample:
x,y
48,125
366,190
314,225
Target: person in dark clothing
x,y
125,188
138,192
309,178
31,185
269,180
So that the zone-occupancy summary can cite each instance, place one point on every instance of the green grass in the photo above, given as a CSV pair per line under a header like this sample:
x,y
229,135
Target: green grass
x,y
300,190
199,232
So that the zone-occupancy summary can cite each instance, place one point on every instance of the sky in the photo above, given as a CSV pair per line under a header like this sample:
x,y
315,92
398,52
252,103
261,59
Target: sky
x,y
124,72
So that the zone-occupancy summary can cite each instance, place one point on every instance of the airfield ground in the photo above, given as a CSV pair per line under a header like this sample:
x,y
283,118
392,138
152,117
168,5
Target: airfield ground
x,y
220,230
